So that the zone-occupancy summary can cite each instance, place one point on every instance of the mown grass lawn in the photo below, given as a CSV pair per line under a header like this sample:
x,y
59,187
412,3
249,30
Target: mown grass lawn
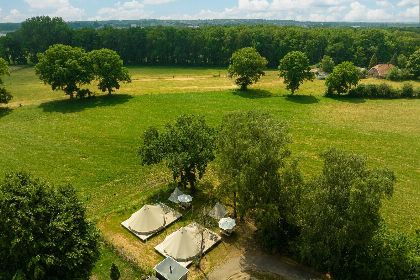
x,y
93,143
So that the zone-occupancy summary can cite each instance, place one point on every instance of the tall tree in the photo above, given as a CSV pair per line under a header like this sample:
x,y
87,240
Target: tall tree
x,y
108,69
41,32
246,66
294,69
251,148
186,146
44,232
64,68
341,213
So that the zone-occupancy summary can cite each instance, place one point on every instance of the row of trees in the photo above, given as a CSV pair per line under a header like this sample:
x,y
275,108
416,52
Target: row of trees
x,y
68,68
247,67
332,221
211,46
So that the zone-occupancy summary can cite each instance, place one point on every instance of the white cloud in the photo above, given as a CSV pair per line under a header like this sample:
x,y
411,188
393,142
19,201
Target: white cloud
x,y
47,4
14,15
126,10
157,2
405,3
359,12
411,14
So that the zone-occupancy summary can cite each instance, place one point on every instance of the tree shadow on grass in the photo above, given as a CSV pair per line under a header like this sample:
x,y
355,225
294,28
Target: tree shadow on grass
x,y
77,105
4,111
253,93
353,100
302,99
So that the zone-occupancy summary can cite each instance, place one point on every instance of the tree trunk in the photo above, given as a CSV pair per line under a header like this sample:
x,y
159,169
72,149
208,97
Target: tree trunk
x,y
234,205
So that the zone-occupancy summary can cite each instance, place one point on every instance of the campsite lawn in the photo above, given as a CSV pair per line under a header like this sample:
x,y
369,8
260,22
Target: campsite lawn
x,y
93,143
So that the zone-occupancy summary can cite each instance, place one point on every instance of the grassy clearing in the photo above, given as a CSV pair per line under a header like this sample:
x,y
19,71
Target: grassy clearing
x,y
93,143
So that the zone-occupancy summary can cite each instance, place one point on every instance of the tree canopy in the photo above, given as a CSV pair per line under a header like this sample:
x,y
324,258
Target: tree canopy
x,y
294,69
327,64
64,68
251,147
413,64
341,213
343,78
44,233
41,32
246,66
186,146
5,96
108,69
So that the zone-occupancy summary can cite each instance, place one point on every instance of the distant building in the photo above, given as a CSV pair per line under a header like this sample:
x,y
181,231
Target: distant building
x,y
380,70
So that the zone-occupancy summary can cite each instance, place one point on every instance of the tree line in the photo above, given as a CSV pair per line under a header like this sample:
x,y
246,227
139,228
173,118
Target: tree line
x,y
211,45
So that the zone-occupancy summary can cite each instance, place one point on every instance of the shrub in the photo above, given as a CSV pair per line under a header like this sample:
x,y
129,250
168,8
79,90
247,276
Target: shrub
x,y
383,91
396,74
407,90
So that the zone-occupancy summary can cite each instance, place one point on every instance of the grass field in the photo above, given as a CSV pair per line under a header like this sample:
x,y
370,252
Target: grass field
x,y
93,143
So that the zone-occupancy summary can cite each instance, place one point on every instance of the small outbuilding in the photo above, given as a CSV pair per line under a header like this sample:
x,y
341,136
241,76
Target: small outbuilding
x,y
170,269
380,70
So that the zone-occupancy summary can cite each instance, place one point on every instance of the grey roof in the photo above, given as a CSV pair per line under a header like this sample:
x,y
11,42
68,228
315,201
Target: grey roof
x,y
171,269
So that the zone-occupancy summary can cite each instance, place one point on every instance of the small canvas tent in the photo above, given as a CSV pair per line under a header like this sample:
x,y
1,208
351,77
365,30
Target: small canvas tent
x,y
149,219
174,195
169,269
218,211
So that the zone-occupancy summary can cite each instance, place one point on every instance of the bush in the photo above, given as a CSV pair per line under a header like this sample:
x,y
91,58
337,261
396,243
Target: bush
x,y
396,74
407,91
344,77
5,96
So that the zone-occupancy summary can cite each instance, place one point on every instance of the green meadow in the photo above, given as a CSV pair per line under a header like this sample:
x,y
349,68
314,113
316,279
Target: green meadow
x,y
92,143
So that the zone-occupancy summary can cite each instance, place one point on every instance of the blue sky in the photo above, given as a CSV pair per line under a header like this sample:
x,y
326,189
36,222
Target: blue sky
x,y
313,10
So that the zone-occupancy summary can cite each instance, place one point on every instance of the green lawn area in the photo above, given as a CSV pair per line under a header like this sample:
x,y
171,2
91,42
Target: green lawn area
x,y
93,143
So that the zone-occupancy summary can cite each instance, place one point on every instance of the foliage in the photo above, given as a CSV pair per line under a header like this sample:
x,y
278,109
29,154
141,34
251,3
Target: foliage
x,y
373,61
394,59
389,255
294,69
340,213
413,64
396,74
108,69
246,66
342,79
186,147
383,91
39,33
402,61
43,231
5,96
251,147
64,67
407,91
114,273
277,220
327,64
